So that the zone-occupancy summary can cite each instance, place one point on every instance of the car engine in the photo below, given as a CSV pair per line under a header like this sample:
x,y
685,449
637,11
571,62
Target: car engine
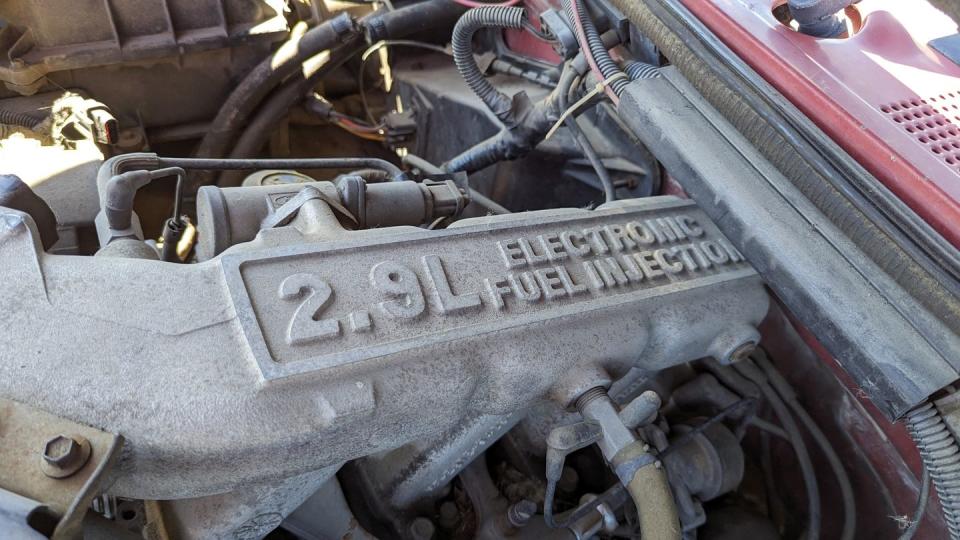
x,y
446,269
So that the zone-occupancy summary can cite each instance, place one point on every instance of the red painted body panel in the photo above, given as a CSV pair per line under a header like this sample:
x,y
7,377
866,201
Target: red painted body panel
x,y
525,43
890,100
893,103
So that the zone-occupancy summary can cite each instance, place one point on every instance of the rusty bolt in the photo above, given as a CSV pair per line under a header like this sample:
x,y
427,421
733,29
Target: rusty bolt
x,y
64,455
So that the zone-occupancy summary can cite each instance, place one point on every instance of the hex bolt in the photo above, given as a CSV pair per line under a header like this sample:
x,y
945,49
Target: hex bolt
x,y
63,455
520,513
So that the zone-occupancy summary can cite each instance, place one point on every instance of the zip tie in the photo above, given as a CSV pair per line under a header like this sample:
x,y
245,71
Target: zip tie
x,y
583,101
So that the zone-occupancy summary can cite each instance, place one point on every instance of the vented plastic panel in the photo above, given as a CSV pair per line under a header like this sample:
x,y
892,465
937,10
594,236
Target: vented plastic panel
x,y
933,122
843,85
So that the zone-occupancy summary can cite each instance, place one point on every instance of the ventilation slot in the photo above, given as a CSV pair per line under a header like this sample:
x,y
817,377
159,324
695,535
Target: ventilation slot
x,y
933,122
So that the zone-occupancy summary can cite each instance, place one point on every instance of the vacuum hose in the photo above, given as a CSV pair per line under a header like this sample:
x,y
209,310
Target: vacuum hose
x,y
263,78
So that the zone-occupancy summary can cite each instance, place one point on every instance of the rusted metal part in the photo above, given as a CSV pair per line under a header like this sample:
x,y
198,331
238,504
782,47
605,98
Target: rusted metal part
x,y
33,444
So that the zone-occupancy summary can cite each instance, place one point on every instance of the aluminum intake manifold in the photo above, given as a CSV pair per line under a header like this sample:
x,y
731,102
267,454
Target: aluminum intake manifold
x,y
278,358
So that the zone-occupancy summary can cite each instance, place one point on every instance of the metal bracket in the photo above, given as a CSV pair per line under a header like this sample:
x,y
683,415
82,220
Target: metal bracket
x,y
25,433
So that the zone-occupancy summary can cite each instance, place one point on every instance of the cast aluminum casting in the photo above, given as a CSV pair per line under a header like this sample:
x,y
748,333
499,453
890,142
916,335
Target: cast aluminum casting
x,y
307,348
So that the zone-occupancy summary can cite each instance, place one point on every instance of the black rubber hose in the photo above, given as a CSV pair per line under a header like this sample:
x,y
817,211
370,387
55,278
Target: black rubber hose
x,y
922,499
12,118
530,130
607,66
823,18
941,457
264,77
504,146
510,143
783,388
413,19
564,85
462,43
751,372
278,105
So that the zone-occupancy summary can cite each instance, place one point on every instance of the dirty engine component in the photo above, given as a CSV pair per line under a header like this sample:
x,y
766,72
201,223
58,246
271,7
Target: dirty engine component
x,y
449,270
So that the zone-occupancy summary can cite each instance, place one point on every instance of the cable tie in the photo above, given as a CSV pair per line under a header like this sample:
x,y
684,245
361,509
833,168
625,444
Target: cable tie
x,y
583,101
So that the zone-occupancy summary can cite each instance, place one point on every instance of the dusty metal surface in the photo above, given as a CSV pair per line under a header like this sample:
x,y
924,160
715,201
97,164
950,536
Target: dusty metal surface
x,y
244,514
214,371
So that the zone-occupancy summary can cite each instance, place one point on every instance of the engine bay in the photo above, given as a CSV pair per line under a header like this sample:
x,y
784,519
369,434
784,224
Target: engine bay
x,y
446,269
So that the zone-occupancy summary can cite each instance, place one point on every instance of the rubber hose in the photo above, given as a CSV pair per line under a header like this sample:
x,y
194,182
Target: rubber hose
x,y
509,144
13,118
753,373
489,152
263,78
121,164
277,106
607,66
820,18
922,500
462,43
641,70
941,457
656,511
783,388
412,19
564,85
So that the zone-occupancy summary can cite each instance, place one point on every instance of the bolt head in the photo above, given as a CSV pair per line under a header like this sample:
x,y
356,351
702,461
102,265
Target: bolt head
x,y
64,455
60,451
